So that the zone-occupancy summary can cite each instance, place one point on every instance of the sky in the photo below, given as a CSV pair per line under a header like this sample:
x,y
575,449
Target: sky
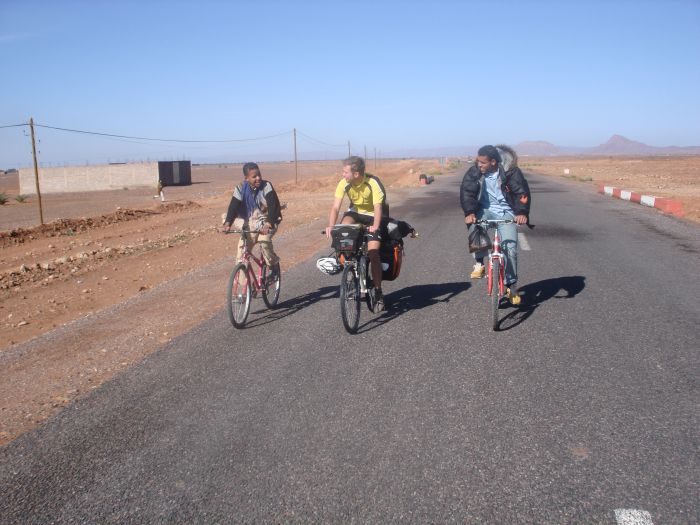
x,y
219,81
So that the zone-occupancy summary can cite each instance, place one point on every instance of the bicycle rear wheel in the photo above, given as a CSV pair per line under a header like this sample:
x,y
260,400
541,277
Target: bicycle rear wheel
x,y
350,299
494,289
271,285
238,296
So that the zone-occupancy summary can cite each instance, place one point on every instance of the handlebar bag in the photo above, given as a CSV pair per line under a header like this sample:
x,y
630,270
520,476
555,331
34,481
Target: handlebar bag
x,y
345,238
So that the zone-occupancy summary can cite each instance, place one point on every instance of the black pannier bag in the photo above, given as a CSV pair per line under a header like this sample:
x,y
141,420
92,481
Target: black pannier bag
x,y
346,237
391,255
479,239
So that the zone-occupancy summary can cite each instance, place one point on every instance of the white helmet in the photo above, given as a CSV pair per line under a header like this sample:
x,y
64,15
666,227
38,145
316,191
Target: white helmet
x,y
328,265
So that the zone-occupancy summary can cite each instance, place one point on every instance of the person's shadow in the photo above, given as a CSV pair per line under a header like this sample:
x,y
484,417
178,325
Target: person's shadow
x,y
534,294
291,306
414,297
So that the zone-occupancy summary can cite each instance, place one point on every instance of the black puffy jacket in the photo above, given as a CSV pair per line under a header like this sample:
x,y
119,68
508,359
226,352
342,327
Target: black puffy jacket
x,y
513,185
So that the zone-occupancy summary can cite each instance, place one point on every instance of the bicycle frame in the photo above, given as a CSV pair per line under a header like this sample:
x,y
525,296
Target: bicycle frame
x,y
495,253
249,258
353,259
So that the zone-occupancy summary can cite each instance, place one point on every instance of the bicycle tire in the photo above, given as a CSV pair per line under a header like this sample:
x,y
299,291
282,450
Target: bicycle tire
x,y
271,287
495,291
238,296
350,299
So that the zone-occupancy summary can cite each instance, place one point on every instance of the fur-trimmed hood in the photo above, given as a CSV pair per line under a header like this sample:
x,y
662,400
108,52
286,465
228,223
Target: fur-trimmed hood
x,y
509,158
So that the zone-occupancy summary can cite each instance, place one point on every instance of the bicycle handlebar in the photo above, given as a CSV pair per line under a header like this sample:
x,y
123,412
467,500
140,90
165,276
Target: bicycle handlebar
x,y
271,230
495,221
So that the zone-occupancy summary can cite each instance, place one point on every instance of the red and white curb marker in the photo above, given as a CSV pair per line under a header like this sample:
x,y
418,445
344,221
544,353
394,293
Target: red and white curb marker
x,y
672,206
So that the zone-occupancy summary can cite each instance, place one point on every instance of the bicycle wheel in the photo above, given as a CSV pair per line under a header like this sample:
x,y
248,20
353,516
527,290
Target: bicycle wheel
x,y
238,296
495,291
271,285
350,299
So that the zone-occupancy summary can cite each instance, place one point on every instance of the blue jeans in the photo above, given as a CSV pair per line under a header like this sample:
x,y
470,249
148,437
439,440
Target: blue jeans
x,y
509,243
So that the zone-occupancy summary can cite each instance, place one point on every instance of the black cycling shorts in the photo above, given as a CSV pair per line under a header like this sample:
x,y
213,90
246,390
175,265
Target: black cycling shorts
x,y
368,220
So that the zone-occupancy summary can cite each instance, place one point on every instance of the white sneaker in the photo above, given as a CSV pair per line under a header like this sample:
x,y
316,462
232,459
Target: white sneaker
x,y
478,272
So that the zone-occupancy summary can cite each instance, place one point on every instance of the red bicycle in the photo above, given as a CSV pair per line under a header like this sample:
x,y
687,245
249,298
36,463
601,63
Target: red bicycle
x,y
245,283
496,268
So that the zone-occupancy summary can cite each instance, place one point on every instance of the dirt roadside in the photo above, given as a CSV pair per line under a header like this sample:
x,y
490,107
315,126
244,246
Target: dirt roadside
x,y
82,299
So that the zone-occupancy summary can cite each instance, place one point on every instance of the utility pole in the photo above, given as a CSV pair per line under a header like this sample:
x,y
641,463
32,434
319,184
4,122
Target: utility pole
x,y
36,172
365,157
296,164
349,154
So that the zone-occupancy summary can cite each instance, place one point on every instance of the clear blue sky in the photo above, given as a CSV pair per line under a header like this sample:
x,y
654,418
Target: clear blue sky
x,y
389,75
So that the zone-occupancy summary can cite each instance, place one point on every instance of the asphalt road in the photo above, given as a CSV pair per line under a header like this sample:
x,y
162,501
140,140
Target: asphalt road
x,y
582,409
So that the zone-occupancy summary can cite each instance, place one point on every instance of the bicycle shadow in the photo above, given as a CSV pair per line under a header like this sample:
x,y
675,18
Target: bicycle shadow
x,y
534,294
413,298
291,306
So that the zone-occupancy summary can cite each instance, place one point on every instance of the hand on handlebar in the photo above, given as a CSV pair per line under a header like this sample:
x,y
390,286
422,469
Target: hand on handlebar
x,y
521,219
470,219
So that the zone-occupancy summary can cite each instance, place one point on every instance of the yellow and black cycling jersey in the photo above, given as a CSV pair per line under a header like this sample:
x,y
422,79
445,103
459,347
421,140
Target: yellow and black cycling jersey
x,y
365,195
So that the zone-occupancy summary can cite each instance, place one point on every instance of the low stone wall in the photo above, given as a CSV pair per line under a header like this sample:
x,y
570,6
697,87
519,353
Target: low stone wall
x,y
89,178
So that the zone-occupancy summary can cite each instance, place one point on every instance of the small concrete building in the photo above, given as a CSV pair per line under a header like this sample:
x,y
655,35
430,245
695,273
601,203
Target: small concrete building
x,y
100,177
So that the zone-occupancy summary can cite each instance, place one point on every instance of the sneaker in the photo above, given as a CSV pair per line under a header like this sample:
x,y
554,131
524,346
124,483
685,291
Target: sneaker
x,y
478,272
378,301
512,296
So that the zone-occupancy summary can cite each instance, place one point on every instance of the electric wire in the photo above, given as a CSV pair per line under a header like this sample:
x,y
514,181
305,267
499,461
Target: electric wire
x,y
84,132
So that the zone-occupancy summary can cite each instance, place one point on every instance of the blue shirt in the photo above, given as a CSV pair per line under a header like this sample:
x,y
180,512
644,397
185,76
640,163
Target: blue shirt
x,y
492,197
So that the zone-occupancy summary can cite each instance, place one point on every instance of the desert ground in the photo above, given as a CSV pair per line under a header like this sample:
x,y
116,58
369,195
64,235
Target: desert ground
x,y
112,276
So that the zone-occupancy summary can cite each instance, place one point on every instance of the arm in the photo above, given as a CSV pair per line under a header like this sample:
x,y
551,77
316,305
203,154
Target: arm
x,y
274,214
377,218
232,212
333,215
519,191
468,195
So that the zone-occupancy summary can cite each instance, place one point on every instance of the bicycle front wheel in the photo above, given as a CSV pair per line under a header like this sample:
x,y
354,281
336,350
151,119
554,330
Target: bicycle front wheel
x,y
350,299
271,284
238,296
495,291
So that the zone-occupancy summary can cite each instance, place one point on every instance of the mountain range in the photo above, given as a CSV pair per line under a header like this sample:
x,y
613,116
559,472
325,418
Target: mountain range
x,y
616,145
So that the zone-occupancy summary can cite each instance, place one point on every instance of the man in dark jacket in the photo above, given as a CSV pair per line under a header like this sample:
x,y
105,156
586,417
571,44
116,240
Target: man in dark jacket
x,y
495,188
256,206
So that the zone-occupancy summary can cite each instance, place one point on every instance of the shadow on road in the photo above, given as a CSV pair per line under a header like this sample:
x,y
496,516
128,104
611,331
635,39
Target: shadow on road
x,y
534,294
414,298
291,306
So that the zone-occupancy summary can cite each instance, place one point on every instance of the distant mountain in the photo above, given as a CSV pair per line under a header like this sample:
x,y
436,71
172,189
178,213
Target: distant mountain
x,y
619,145
538,148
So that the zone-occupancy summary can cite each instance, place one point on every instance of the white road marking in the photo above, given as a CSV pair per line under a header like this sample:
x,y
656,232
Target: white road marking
x,y
633,517
522,242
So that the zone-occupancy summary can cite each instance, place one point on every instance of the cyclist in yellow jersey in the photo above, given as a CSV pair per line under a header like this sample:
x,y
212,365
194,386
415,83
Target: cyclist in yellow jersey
x,y
368,206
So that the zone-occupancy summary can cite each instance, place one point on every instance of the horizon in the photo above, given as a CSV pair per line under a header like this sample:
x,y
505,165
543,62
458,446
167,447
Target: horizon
x,y
240,77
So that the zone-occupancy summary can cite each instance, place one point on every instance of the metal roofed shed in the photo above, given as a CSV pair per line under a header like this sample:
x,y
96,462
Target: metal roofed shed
x,y
175,173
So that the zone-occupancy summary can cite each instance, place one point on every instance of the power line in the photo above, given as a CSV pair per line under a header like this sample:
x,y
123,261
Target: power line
x,y
84,132
14,126
320,141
